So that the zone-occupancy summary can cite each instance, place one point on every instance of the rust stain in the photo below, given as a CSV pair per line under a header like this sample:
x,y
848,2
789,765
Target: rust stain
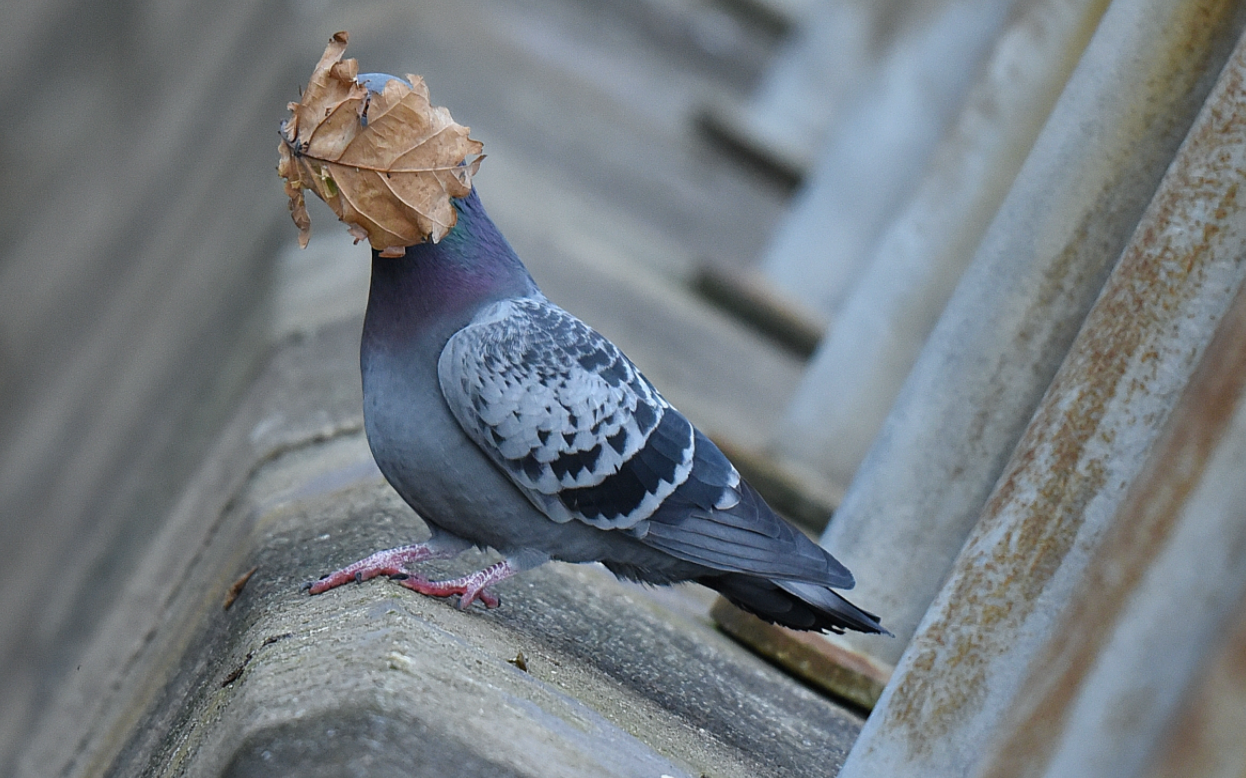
x,y
1042,497
1159,259
1153,507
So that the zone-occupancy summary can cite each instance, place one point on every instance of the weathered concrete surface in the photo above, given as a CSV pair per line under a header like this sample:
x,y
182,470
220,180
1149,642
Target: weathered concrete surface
x,y
879,143
1157,592
134,267
876,336
1048,615
1016,311
374,677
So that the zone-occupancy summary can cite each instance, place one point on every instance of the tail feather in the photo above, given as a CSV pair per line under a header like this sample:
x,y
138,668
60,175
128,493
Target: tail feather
x,y
794,604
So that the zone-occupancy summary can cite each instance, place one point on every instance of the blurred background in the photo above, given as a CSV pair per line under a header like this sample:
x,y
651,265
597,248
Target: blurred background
x,y
767,203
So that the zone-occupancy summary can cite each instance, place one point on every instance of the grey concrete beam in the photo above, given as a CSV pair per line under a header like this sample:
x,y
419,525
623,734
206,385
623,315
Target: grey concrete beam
x,y
878,147
873,341
1081,559
1156,595
832,49
1014,314
134,259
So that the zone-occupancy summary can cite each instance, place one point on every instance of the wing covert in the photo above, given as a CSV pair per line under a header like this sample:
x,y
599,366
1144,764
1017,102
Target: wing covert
x,y
565,414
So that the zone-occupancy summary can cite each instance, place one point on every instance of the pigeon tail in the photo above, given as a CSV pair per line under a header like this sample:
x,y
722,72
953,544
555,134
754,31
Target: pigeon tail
x,y
793,604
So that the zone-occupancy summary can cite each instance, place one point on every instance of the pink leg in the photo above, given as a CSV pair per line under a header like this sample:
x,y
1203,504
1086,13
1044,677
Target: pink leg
x,y
391,562
469,588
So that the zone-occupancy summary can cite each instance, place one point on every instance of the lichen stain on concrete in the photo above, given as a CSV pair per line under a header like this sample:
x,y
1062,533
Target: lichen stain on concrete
x,y
1036,512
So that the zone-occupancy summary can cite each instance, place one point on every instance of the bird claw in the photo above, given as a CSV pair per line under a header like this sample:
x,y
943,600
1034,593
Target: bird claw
x,y
470,587
391,562
464,587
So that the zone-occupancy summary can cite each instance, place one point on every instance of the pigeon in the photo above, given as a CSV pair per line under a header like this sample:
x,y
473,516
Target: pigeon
x,y
508,423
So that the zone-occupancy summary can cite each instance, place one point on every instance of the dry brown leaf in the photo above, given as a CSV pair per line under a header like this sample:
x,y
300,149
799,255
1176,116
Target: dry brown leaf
x,y
387,163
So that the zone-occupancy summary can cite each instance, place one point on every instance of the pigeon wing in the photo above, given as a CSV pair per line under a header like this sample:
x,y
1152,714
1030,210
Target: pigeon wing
x,y
565,414
585,436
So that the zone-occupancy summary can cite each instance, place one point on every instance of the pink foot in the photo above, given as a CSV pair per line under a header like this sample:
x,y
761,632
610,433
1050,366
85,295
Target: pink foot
x,y
470,587
393,561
